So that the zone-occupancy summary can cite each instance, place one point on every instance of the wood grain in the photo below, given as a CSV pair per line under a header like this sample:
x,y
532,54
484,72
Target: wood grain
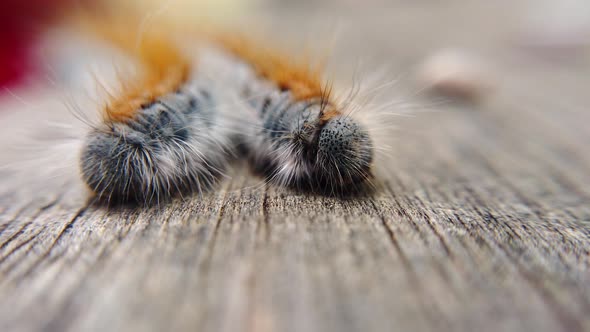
x,y
482,222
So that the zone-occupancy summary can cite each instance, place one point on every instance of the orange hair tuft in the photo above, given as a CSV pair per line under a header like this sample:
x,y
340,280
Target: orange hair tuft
x,y
301,78
164,66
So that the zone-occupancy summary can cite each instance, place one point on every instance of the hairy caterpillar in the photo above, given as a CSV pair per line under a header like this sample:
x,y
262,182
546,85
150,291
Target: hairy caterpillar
x,y
172,131
163,135
303,138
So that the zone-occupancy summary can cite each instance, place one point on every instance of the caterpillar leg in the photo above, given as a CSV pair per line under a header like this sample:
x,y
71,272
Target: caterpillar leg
x,y
174,145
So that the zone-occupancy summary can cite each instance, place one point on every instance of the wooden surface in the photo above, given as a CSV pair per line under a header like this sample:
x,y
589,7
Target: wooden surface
x,y
482,224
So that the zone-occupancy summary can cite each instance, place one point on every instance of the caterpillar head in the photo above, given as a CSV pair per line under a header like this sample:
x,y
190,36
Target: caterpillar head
x,y
345,153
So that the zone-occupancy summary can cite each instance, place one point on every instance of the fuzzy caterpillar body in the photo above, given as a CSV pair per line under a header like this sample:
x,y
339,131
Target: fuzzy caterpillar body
x,y
163,134
177,144
173,130
296,135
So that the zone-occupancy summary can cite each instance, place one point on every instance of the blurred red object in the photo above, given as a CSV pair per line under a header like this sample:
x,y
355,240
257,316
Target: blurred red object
x,y
21,21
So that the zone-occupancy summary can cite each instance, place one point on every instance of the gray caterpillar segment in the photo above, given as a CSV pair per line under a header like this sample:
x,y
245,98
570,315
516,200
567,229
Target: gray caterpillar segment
x,y
194,102
266,102
182,101
288,121
272,119
178,144
161,122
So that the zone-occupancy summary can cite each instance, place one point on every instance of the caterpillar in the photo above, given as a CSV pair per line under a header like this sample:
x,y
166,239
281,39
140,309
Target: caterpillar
x,y
162,135
303,138
174,130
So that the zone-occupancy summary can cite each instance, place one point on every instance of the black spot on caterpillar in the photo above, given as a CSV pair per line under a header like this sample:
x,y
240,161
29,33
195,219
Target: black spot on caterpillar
x,y
178,144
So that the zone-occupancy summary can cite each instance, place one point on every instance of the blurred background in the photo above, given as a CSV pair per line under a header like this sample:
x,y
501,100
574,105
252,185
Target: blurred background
x,y
556,32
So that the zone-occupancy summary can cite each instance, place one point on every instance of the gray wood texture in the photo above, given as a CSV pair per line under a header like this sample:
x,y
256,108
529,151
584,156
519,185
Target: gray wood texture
x,y
482,222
